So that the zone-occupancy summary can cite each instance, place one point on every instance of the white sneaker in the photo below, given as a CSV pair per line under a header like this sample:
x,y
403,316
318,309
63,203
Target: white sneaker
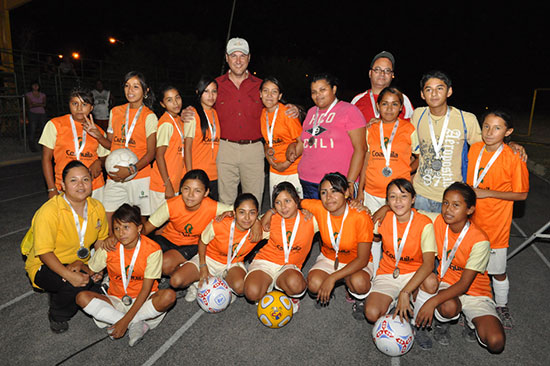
x,y
191,294
295,305
233,298
136,331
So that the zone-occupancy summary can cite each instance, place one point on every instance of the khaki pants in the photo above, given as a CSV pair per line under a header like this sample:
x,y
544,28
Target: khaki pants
x,y
240,164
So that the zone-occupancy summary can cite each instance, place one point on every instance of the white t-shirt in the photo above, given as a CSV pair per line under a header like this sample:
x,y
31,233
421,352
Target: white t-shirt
x,y
101,104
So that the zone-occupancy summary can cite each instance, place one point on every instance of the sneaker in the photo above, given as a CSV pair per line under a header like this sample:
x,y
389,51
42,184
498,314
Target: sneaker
x,y
441,333
505,317
136,331
349,299
295,305
233,298
469,334
358,310
191,294
109,332
422,338
58,327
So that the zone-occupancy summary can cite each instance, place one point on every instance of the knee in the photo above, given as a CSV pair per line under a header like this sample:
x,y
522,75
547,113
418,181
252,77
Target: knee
x,y
252,292
430,284
359,284
166,298
448,309
294,285
495,342
314,283
83,298
177,280
371,313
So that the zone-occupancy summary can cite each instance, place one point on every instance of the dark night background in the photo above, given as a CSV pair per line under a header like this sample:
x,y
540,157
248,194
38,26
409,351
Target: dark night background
x,y
496,54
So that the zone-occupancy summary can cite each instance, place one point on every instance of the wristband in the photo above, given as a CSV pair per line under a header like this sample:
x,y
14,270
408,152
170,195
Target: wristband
x,y
202,265
51,189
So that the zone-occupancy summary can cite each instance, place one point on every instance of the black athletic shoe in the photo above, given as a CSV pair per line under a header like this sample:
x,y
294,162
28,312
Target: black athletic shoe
x,y
58,327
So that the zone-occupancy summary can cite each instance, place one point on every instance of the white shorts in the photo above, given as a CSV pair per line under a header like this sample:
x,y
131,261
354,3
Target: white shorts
x,y
497,261
472,307
215,268
118,305
98,194
275,179
134,192
327,265
373,203
387,285
273,270
156,199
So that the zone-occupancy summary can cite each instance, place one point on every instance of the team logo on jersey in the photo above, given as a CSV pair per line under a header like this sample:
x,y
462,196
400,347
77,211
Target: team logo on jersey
x,y
188,229
316,130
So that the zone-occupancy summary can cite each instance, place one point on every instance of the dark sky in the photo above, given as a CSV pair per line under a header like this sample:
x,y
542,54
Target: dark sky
x,y
494,54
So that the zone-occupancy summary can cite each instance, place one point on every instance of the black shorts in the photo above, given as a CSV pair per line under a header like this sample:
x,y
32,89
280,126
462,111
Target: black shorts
x,y
188,251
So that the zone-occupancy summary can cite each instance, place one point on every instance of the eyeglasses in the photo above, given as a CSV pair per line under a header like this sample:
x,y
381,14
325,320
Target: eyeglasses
x,y
378,70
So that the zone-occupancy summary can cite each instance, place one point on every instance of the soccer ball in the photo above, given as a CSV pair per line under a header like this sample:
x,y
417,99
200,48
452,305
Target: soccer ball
x,y
391,336
214,296
122,157
275,310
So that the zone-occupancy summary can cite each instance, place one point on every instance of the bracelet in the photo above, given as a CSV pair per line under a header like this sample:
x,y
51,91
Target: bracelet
x,y
202,265
134,168
51,189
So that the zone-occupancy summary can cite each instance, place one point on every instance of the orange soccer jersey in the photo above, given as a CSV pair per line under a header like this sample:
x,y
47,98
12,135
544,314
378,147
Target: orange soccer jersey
x,y
173,156
185,227
400,157
358,228
507,174
63,152
420,236
217,248
138,140
463,258
116,287
205,150
285,132
273,251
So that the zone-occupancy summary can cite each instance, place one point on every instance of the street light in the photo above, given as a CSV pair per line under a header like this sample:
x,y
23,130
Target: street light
x,y
76,55
113,40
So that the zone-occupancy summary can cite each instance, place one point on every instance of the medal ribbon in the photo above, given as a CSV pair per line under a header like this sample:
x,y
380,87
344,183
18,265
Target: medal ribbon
x,y
387,150
78,149
126,279
286,245
316,122
270,130
336,242
128,132
477,180
398,249
373,102
236,251
211,127
180,133
81,231
437,145
447,259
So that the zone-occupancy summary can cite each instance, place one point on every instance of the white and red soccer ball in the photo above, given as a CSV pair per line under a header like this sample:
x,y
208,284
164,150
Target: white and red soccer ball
x,y
214,296
391,336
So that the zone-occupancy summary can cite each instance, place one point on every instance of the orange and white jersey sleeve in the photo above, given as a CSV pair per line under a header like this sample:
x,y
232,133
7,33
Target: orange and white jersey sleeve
x,y
217,238
164,134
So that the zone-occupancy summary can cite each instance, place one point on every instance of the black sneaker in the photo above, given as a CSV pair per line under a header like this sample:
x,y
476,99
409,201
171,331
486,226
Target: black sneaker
x,y
441,333
58,327
358,308
422,338
469,334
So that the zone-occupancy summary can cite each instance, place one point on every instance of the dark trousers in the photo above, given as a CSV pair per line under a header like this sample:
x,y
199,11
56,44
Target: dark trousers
x,y
311,190
62,294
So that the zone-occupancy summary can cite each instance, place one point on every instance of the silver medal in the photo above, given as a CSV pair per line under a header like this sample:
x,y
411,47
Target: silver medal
x,y
437,164
270,151
311,141
83,253
126,300
396,273
387,171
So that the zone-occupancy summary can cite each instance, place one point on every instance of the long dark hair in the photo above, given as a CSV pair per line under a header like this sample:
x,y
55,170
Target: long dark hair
x,y
148,95
203,83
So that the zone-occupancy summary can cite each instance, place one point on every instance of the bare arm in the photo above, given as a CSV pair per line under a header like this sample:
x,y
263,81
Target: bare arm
x,y
188,156
507,196
47,170
163,170
75,278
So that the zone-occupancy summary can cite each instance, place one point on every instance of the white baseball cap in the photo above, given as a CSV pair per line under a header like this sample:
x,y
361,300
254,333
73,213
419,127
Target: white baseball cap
x,y
237,44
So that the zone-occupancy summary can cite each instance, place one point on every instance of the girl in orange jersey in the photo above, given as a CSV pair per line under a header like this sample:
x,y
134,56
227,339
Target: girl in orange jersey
x,y
133,126
73,137
408,253
222,248
499,177
132,302
278,131
187,217
168,166
464,285
203,139
278,264
346,237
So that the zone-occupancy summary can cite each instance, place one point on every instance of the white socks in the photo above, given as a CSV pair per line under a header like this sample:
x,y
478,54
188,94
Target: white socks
x,y
421,299
376,251
146,312
103,311
501,289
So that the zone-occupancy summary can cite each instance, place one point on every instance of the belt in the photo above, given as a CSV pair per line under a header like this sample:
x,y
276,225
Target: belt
x,y
242,142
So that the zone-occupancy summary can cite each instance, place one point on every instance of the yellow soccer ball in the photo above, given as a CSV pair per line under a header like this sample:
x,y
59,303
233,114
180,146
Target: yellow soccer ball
x,y
275,310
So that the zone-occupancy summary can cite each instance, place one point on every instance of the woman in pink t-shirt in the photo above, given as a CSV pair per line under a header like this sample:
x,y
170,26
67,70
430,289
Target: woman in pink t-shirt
x,y
332,139
36,112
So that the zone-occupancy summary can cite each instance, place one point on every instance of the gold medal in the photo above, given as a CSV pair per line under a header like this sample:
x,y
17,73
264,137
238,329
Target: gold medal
x,y
126,300
270,151
396,273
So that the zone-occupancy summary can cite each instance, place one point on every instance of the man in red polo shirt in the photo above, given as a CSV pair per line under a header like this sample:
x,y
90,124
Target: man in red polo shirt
x,y
381,74
241,152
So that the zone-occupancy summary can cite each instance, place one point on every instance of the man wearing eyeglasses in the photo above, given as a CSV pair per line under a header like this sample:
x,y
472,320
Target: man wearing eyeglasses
x,y
380,75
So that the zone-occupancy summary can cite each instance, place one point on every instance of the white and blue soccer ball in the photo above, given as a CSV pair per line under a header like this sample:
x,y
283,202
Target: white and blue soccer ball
x,y
391,336
122,157
214,296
